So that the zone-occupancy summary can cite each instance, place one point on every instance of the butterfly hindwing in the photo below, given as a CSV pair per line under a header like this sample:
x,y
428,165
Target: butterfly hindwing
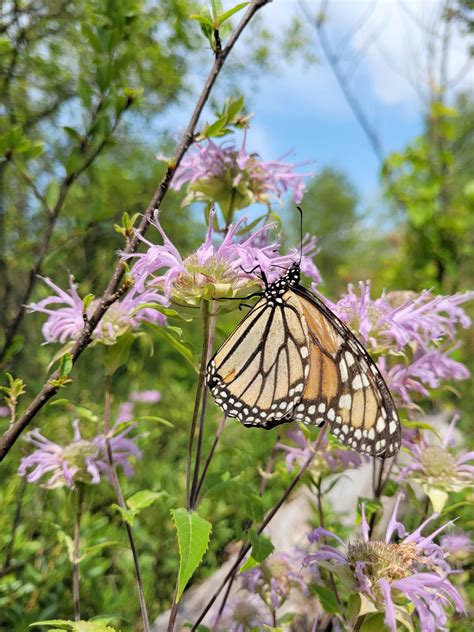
x,y
344,387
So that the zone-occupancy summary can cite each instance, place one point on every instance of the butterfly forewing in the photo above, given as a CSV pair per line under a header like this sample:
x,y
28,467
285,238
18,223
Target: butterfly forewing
x,y
258,374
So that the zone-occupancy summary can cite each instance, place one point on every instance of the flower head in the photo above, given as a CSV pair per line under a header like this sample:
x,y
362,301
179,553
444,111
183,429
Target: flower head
x,y
397,319
244,613
329,460
391,575
145,397
419,328
65,310
213,271
458,545
436,468
82,460
234,178
275,577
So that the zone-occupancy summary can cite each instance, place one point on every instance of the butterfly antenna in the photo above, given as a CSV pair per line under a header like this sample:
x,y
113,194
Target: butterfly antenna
x,y
300,210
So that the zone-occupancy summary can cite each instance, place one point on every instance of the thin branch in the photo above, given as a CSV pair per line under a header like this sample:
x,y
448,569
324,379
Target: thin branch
x,y
122,503
333,61
8,439
245,549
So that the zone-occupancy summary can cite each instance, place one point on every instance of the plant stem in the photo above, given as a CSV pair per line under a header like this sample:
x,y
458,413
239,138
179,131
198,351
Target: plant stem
x,y
76,553
199,399
121,502
207,462
245,549
10,436
263,486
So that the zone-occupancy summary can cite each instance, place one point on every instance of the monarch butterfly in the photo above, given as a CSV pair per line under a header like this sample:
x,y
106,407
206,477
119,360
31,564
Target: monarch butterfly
x,y
292,358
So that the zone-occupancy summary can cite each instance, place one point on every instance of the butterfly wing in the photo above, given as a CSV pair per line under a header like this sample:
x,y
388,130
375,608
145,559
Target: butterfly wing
x,y
344,386
258,374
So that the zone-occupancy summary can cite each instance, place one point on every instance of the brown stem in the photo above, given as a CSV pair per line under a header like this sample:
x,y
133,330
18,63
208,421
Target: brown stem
x,y
245,549
122,503
263,486
76,554
8,439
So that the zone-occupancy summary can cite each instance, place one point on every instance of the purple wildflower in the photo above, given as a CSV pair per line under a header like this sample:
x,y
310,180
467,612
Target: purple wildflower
x,y
82,460
458,545
400,318
433,466
4,411
213,271
329,460
145,397
275,578
234,178
65,310
244,613
426,369
390,575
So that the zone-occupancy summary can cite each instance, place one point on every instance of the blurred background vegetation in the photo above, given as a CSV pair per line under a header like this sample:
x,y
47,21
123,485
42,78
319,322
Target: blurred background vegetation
x,y
80,84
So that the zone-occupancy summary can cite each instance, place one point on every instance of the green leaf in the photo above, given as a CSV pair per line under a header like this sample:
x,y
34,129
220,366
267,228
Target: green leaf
x,y
373,623
65,366
158,420
174,336
118,354
140,500
75,626
353,607
327,598
193,539
228,14
262,546
52,192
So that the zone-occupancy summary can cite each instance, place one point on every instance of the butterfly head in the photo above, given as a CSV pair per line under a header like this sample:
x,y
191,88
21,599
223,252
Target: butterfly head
x,y
289,279
292,275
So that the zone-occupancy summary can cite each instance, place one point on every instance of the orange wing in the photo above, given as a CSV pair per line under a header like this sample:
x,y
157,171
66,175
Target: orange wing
x,y
344,386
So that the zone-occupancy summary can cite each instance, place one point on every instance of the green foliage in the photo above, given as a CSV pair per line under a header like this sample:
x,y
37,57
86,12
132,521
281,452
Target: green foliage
x,y
431,184
74,626
140,500
193,539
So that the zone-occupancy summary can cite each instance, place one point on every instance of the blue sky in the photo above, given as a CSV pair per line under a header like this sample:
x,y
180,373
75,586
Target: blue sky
x,y
301,107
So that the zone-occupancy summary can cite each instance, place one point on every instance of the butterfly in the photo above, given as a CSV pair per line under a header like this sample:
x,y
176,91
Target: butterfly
x,y
291,358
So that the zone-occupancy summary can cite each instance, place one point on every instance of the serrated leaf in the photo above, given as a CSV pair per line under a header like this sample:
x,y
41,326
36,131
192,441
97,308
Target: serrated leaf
x,y
262,546
249,563
327,599
193,539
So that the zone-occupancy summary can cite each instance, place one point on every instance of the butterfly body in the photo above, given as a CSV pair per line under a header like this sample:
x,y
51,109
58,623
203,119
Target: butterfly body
x,y
292,358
